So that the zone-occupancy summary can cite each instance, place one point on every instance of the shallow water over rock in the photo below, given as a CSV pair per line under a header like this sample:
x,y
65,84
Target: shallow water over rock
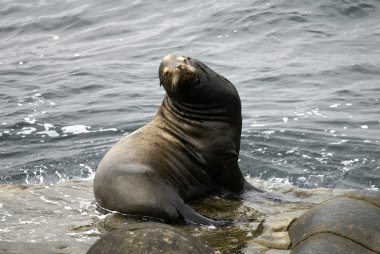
x,y
65,214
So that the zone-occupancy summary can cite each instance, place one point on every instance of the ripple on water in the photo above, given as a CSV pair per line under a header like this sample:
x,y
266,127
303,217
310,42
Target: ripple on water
x,y
79,75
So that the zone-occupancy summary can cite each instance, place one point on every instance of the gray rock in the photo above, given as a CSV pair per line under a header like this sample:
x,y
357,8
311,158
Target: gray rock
x,y
329,243
43,248
148,237
354,220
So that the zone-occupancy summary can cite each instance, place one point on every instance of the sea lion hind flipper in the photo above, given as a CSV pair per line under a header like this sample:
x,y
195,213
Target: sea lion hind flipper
x,y
192,217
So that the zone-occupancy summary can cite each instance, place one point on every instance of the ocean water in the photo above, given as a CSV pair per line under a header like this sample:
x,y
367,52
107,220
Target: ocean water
x,y
76,76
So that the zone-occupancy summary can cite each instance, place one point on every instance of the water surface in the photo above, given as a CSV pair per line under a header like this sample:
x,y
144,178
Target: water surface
x,y
75,76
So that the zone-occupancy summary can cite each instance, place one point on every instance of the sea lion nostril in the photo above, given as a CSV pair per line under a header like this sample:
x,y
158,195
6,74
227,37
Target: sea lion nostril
x,y
165,71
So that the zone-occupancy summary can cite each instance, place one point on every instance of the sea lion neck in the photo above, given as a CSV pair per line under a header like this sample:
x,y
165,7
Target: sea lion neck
x,y
194,112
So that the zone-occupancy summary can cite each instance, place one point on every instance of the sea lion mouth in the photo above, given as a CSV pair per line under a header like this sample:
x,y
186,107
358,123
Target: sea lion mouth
x,y
175,71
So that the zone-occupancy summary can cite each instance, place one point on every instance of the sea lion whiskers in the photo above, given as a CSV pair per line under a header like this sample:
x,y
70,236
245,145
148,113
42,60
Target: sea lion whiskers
x,y
181,74
175,79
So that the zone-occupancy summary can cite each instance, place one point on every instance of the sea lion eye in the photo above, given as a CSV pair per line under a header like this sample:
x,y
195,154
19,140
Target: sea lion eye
x,y
180,67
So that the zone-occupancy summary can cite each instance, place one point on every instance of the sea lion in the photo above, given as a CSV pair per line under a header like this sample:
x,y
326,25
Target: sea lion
x,y
190,149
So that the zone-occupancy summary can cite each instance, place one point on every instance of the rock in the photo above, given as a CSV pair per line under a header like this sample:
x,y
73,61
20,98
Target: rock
x,y
329,243
43,248
353,219
274,230
276,240
149,237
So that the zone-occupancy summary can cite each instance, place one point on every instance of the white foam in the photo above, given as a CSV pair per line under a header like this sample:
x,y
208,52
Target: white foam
x,y
335,105
30,120
76,129
290,152
109,129
26,131
47,131
88,232
285,119
257,125
268,132
279,180
373,188
364,126
347,163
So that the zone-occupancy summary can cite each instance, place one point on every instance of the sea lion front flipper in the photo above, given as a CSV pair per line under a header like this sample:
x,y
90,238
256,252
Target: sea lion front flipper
x,y
192,217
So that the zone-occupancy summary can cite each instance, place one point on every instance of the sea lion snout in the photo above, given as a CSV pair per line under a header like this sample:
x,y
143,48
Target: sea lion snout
x,y
172,62
174,71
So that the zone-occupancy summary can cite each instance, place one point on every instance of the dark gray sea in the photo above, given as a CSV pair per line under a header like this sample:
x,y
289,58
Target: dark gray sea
x,y
76,76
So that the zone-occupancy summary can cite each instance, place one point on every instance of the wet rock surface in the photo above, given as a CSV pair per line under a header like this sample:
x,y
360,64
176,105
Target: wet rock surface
x,y
148,237
346,224
43,247
65,214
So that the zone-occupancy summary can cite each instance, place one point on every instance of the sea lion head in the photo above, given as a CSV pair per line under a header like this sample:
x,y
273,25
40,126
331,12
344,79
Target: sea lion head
x,y
189,80
175,72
